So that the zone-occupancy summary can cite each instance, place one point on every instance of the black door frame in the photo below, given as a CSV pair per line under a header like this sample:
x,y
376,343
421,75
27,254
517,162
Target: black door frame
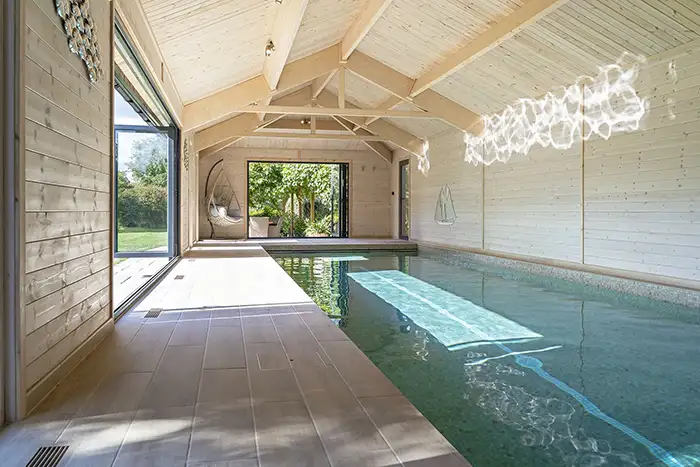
x,y
402,199
343,191
173,203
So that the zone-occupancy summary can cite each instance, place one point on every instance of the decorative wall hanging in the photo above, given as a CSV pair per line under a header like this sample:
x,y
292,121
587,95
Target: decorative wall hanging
x,y
82,34
445,208
186,152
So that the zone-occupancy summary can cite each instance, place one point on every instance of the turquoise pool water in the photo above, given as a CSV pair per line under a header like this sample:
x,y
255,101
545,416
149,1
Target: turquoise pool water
x,y
521,370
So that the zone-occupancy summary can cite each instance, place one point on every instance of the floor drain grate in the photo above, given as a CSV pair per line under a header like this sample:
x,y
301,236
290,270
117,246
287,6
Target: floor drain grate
x,y
154,313
179,277
47,456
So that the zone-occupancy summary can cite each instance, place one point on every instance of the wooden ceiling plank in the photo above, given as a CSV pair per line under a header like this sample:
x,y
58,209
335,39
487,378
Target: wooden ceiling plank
x,y
500,32
284,31
217,107
362,25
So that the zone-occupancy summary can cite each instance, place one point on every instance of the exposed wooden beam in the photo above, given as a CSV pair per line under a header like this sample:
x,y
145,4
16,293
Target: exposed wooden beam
x,y
284,31
217,147
500,32
341,87
242,123
217,107
367,18
391,133
321,82
329,136
295,124
388,104
400,86
379,148
266,101
331,111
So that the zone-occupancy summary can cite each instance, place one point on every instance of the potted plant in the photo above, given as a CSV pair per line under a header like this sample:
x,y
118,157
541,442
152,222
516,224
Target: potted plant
x,y
258,224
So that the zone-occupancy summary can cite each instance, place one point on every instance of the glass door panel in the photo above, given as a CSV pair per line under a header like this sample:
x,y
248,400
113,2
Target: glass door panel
x,y
144,201
404,201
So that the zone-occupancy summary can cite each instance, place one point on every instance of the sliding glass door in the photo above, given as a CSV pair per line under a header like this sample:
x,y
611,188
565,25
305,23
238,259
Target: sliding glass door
x,y
144,199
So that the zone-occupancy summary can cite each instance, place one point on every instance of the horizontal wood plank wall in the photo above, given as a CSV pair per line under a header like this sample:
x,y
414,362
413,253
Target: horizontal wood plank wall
x,y
643,187
640,197
465,182
532,204
68,183
370,191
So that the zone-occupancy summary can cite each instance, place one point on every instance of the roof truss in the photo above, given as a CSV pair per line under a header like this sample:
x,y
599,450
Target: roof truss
x,y
284,31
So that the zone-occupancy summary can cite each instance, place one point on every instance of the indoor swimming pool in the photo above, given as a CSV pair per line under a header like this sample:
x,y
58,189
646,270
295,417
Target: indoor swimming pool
x,y
521,370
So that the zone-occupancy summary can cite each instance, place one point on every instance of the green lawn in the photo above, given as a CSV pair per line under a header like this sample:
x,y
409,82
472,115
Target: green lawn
x,y
136,239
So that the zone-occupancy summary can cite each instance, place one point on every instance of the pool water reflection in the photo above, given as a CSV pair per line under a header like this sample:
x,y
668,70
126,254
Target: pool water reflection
x,y
634,360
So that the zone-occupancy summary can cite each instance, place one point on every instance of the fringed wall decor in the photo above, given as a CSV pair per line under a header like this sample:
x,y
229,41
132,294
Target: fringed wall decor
x,y
82,35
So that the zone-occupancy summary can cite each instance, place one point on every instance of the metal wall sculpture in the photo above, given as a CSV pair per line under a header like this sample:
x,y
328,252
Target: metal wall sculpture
x,y
82,34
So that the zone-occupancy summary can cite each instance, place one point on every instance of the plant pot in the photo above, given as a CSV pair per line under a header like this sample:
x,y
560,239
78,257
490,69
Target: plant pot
x,y
258,227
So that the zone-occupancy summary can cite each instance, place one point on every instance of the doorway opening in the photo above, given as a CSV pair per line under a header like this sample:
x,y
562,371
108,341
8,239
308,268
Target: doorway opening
x,y
404,199
145,201
297,200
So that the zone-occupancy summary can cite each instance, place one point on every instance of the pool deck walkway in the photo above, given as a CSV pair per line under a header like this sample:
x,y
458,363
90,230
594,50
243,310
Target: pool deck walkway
x,y
240,369
313,244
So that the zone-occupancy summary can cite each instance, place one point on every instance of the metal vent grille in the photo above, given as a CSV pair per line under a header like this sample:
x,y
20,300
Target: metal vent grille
x,y
154,313
179,277
47,456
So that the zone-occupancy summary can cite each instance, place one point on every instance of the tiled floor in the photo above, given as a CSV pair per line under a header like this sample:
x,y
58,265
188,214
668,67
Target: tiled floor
x,y
239,370
132,273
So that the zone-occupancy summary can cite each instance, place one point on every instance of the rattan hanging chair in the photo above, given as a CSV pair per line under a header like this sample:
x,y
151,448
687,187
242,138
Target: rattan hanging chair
x,y
222,206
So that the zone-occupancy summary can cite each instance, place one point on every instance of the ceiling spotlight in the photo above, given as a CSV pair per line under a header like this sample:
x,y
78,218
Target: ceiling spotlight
x,y
306,121
278,1
269,48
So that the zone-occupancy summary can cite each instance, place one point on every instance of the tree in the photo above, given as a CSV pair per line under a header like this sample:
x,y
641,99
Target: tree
x,y
149,160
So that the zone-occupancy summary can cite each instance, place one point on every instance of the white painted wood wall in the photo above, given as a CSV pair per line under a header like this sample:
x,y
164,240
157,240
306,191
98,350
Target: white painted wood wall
x,y
637,210
370,190
68,125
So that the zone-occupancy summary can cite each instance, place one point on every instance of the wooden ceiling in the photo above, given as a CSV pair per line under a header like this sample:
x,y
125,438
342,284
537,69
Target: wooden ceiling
x,y
456,59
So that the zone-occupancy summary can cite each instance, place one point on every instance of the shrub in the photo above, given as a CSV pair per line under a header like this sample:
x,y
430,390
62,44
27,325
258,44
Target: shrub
x,y
144,206
299,226
319,228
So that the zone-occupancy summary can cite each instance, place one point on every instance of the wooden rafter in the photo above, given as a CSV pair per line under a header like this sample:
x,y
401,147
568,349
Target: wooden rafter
x,y
400,86
500,32
361,26
388,104
321,82
386,130
284,31
379,148
217,107
331,111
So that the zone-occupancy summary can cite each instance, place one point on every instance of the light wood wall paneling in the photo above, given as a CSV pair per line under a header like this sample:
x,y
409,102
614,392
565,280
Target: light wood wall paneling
x,y
68,136
465,182
370,185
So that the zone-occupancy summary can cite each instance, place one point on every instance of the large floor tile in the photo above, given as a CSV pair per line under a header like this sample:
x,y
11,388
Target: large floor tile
x,y
157,438
223,434
365,379
224,348
224,387
266,356
118,392
94,441
259,329
323,329
273,386
190,333
176,381
414,439
287,436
